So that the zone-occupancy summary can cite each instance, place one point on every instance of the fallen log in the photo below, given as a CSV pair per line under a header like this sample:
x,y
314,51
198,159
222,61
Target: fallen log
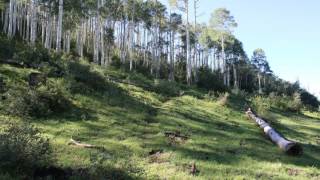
x,y
79,144
289,147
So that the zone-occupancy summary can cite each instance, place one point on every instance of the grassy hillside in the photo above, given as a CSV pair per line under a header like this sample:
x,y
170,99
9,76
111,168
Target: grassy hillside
x,y
129,116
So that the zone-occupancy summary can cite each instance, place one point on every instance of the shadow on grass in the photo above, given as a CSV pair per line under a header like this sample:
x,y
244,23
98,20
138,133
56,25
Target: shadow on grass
x,y
238,103
74,113
233,142
58,173
94,85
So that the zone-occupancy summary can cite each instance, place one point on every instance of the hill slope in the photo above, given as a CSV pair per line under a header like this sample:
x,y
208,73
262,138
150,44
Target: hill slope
x,y
132,117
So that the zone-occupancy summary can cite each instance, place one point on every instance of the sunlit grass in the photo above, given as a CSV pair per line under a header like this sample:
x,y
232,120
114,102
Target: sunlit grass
x,y
222,142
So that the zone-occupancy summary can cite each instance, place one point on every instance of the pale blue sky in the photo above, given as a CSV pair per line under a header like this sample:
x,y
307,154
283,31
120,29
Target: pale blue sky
x,y
288,30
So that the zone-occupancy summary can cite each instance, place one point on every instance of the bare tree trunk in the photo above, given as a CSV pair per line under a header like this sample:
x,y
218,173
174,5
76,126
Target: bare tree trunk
x,y
33,31
59,26
290,147
228,75
6,20
43,27
172,56
259,83
131,42
195,3
68,39
235,77
188,64
10,24
103,60
96,38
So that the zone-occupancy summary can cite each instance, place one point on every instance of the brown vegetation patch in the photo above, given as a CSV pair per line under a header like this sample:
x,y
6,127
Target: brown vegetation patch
x,y
293,172
158,156
176,137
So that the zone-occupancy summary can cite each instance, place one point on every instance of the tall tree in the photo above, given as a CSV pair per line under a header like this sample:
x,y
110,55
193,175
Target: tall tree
x,y
224,22
259,60
175,22
185,8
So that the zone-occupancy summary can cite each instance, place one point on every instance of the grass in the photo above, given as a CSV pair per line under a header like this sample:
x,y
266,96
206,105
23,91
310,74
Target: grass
x,y
130,118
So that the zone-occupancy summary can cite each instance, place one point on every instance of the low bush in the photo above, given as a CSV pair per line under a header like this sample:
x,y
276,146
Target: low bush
x,y
40,102
295,104
166,88
53,69
284,103
210,80
84,79
115,61
32,56
309,100
287,103
7,47
23,148
261,105
211,95
223,98
240,93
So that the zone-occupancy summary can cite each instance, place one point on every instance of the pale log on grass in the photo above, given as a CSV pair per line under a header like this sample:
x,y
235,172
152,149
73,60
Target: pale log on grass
x,y
290,147
79,144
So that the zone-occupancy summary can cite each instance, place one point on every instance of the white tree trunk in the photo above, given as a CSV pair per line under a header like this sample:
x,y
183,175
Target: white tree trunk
x,y
102,49
47,43
68,41
6,20
10,24
96,40
33,30
224,63
172,56
235,77
259,83
188,64
287,146
59,26
80,38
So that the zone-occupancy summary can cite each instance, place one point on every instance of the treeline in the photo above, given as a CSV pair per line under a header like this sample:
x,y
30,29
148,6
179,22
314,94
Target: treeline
x,y
146,36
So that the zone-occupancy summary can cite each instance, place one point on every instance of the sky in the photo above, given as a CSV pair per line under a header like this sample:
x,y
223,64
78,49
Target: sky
x,y
288,31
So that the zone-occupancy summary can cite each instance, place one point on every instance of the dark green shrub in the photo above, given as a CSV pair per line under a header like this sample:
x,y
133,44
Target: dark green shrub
x,y
115,61
309,100
166,88
164,70
41,102
180,70
286,103
32,56
53,68
210,80
23,148
2,85
143,69
85,80
7,48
